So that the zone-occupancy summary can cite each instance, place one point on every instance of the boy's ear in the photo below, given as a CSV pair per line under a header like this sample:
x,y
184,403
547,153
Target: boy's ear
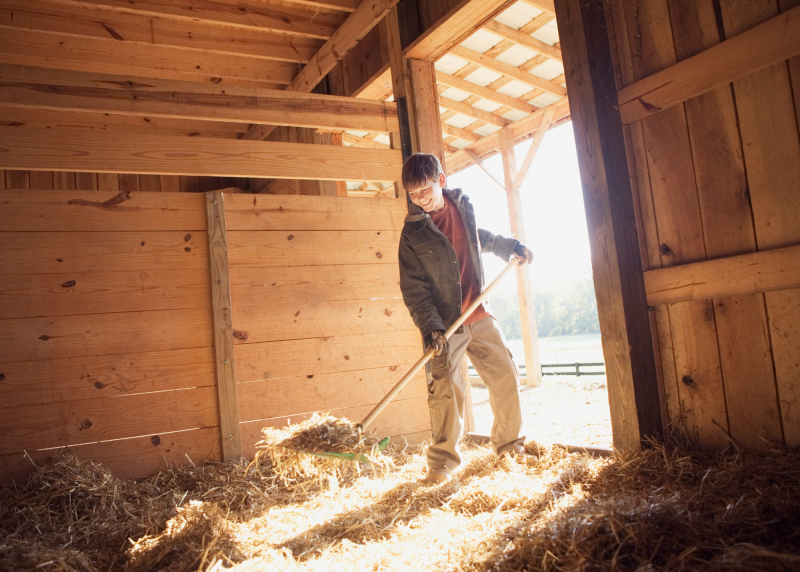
x,y
442,180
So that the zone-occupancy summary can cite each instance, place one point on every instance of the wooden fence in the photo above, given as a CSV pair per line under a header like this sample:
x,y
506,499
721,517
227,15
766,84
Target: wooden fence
x,y
108,326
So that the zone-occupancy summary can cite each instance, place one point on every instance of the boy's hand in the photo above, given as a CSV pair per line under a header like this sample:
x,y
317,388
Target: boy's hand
x,y
526,257
438,342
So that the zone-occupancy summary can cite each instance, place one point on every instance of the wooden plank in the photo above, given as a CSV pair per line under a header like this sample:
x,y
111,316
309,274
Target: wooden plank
x,y
222,311
484,92
100,211
330,354
92,377
527,311
303,284
100,152
44,49
742,55
409,416
40,179
544,5
17,180
464,134
771,144
301,395
246,15
509,70
271,107
126,458
460,22
616,260
101,292
77,254
170,184
470,111
196,36
58,337
426,128
765,271
268,321
264,249
525,40
265,212
33,427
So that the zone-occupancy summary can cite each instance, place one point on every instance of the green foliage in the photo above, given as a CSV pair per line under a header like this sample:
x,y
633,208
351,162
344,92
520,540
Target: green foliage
x,y
561,309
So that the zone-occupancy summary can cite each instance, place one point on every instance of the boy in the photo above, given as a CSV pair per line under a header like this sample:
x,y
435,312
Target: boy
x,y
440,276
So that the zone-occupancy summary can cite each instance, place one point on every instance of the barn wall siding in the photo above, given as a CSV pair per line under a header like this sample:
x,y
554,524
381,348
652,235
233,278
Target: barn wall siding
x,y
716,176
106,321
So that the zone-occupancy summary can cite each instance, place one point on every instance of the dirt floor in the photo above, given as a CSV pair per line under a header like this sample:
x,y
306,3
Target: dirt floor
x,y
564,409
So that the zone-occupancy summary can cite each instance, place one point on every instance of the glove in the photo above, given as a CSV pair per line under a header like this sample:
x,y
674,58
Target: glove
x,y
523,254
438,342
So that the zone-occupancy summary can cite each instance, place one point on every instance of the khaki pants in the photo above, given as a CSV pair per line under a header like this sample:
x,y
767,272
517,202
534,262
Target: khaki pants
x,y
485,345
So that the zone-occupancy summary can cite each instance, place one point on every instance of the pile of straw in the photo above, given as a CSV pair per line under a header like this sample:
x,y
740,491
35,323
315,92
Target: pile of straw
x,y
663,508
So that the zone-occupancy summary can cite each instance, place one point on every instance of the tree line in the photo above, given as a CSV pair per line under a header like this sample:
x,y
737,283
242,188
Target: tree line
x,y
561,309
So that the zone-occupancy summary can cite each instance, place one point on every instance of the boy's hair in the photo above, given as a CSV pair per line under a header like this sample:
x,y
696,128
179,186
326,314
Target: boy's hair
x,y
419,169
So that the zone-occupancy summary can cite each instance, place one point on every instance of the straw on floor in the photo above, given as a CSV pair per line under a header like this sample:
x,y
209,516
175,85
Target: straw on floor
x,y
663,508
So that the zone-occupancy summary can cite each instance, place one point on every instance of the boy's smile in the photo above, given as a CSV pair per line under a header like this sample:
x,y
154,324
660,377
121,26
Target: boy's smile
x,y
429,196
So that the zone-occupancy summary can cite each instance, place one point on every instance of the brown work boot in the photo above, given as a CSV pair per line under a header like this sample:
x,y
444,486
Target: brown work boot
x,y
437,476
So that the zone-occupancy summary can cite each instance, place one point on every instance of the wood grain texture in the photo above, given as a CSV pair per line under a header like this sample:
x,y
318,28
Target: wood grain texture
x,y
745,53
616,260
82,378
290,358
32,427
265,212
36,149
126,458
100,211
409,416
301,395
523,39
222,311
55,337
484,92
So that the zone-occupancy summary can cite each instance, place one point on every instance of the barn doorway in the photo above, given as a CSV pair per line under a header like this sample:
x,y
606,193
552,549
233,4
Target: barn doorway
x,y
570,406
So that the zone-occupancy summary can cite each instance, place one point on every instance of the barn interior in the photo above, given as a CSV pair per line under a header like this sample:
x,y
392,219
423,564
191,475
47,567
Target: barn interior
x,y
201,211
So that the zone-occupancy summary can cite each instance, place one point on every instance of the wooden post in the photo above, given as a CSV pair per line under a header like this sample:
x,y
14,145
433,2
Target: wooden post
x,y
530,333
223,327
616,261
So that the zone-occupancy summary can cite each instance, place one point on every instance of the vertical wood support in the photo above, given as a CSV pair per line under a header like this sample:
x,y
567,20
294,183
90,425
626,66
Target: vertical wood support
x,y
223,327
530,333
616,259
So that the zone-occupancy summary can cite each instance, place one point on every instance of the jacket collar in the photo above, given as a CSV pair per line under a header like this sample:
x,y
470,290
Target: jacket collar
x,y
455,195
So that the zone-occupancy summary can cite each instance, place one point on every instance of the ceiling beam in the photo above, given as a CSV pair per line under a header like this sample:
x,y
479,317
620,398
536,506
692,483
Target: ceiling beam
x,y
544,5
68,150
128,28
509,70
460,133
246,14
252,106
484,92
470,111
524,39
361,21
343,5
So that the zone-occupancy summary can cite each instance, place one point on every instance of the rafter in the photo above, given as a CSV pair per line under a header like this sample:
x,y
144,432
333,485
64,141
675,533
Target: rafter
x,y
524,39
484,92
460,133
468,110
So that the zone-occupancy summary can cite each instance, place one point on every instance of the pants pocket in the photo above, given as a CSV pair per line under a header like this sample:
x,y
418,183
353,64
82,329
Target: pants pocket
x,y
437,373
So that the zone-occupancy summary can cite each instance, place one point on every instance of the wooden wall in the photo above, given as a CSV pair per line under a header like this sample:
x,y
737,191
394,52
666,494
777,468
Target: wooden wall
x,y
715,176
106,323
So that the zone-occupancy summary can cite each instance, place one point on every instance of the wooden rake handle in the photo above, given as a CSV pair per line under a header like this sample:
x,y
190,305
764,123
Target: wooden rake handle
x,y
429,354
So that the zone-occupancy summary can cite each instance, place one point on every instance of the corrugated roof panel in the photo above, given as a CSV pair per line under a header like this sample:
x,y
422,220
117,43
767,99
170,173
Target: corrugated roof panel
x,y
383,139
547,33
456,94
483,76
516,55
485,105
481,41
449,64
518,15
515,115
460,121
548,69
544,100
487,129
515,89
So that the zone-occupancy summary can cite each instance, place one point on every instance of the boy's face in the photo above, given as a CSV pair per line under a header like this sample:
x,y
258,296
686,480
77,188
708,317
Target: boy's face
x,y
429,196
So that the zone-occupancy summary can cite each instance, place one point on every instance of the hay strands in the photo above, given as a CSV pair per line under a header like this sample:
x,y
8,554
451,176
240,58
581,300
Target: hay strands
x,y
361,427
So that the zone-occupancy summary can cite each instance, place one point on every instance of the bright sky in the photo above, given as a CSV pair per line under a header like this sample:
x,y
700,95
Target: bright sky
x,y
552,201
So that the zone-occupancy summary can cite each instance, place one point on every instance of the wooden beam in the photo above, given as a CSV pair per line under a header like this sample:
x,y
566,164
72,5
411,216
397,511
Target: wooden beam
x,y
524,39
764,271
470,111
42,49
454,27
363,142
17,17
244,14
361,21
271,107
508,70
460,133
544,5
343,5
772,42
484,92
530,333
48,150
536,141
223,327
616,260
